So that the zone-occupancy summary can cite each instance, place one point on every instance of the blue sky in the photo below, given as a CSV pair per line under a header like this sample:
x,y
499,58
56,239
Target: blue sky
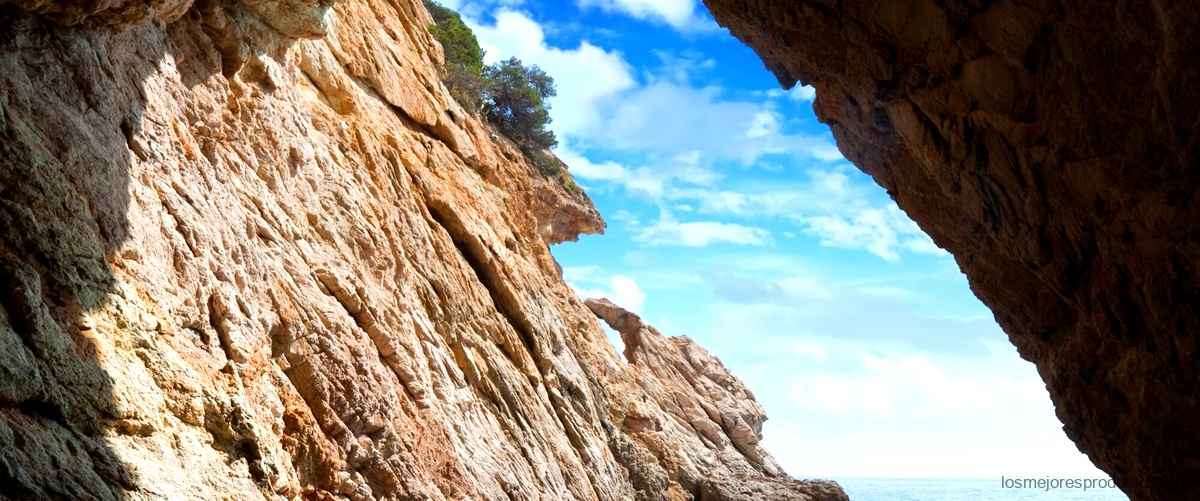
x,y
734,220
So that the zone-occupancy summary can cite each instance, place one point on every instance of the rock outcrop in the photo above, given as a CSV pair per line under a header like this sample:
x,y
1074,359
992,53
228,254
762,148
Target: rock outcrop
x,y
1052,147
694,400
253,249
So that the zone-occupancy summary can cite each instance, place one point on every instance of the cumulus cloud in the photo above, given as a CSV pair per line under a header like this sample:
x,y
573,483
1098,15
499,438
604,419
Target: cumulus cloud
x,y
622,290
601,103
582,167
866,229
827,206
584,75
763,124
627,293
683,15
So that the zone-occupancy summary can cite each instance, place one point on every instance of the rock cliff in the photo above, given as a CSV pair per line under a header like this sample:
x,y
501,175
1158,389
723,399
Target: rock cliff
x,y
252,249
692,395
1052,147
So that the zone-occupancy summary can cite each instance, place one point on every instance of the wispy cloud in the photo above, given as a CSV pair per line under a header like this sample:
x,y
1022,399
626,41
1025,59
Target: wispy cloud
x,y
683,15
667,116
668,231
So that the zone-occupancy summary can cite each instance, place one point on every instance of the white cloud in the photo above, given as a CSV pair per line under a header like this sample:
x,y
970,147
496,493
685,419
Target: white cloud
x,y
626,293
621,290
682,130
919,413
668,117
804,286
880,389
668,231
866,229
878,401
763,124
802,93
682,15
581,167
882,231
798,93
600,102
648,181
840,212
584,75
891,383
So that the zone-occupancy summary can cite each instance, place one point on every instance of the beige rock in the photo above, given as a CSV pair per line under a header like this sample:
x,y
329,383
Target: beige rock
x,y
255,250
702,422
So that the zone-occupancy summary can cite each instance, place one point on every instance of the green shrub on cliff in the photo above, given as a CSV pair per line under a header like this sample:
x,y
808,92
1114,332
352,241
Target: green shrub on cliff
x,y
510,95
463,72
515,102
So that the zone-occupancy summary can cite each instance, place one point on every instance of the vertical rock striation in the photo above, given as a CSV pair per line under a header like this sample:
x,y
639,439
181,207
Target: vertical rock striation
x,y
253,249
1052,147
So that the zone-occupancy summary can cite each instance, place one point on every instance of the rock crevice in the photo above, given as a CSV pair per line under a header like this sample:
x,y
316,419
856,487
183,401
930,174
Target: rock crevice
x,y
253,248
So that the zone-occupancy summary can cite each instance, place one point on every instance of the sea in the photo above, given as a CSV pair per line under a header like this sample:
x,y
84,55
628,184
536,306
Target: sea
x,y
865,489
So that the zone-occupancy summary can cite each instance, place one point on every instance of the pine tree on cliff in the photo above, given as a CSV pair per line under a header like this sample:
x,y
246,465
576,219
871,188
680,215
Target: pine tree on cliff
x,y
515,102
511,96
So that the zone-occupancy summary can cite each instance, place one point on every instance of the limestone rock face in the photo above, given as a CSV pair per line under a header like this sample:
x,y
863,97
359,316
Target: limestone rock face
x,y
694,400
1052,147
253,249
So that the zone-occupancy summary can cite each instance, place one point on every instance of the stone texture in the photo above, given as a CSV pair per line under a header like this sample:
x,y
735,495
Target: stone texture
x,y
1052,148
254,250
702,422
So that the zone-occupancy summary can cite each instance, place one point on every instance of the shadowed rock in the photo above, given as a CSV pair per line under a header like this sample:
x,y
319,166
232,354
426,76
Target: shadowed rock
x,y
1052,147
254,249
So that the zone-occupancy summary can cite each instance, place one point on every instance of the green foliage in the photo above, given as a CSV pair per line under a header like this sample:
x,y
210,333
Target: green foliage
x,y
463,72
509,94
515,102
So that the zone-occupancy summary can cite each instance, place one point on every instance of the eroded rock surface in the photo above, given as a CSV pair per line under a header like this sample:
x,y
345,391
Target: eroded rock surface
x,y
253,249
694,400
1052,147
